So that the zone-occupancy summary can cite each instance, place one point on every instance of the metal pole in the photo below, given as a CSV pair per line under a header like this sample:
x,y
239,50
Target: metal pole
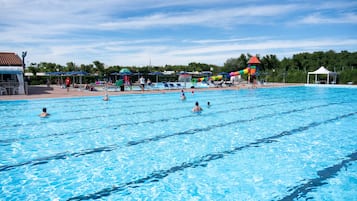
x,y
23,74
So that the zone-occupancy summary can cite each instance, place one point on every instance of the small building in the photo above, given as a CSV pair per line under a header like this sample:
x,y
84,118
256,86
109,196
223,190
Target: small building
x,y
11,74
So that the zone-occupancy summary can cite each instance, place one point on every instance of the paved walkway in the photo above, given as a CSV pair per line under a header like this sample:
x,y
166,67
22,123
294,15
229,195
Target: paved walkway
x,y
54,91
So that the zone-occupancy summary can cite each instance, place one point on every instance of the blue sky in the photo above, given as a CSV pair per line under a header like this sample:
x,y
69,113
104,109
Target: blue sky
x,y
140,32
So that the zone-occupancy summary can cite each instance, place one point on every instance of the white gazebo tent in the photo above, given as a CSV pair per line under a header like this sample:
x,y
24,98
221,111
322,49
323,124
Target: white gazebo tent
x,y
323,71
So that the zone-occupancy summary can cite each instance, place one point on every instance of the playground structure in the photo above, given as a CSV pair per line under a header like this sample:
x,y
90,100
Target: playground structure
x,y
250,70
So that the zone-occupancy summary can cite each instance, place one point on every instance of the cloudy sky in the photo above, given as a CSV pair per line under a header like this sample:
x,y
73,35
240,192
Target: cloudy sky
x,y
140,32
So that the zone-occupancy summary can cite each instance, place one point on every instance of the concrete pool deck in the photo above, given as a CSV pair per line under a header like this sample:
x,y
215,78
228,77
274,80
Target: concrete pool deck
x,y
55,91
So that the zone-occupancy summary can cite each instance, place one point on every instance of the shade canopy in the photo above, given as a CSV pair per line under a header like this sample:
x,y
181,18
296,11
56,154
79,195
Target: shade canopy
x,y
322,71
157,75
71,73
183,73
78,73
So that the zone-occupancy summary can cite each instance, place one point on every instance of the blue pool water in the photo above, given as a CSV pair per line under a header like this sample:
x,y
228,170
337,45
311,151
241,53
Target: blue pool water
x,y
295,143
157,86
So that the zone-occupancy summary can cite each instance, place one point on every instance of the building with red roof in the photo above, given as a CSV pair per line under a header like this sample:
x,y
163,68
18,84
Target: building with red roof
x,y
11,74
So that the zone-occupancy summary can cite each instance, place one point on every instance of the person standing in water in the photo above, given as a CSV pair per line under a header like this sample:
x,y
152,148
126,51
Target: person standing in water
x,y
44,113
183,96
197,108
106,97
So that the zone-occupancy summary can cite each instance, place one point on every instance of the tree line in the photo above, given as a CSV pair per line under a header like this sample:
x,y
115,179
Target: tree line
x,y
271,69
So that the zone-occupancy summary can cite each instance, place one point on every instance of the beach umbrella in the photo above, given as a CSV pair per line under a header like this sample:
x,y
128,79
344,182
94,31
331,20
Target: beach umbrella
x,y
224,74
125,71
157,75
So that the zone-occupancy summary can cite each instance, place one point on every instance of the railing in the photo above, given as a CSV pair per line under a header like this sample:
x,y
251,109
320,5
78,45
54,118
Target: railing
x,y
11,87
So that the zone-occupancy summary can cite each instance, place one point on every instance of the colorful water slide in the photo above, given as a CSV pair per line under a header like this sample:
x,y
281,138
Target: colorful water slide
x,y
251,70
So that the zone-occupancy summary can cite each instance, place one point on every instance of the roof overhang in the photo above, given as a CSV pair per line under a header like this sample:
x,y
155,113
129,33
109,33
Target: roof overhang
x,y
10,70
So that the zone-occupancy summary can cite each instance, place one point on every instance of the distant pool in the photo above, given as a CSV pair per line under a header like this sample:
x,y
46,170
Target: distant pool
x,y
293,143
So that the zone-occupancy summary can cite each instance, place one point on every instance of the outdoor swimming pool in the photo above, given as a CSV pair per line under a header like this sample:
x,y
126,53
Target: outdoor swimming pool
x,y
157,86
294,143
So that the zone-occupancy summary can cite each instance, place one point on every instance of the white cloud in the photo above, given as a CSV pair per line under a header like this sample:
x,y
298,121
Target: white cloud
x,y
335,5
129,32
206,17
317,18
139,53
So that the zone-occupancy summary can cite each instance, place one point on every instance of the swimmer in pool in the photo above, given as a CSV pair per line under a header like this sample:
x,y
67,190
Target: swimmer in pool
x,y
44,113
183,96
197,108
106,97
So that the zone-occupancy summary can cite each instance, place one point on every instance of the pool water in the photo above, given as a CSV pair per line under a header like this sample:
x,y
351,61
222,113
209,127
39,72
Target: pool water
x,y
157,86
294,143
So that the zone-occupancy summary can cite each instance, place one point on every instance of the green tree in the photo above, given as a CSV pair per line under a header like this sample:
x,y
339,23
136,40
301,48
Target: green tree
x,y
270,62
33,70
71,66
242,61
87,68
100,68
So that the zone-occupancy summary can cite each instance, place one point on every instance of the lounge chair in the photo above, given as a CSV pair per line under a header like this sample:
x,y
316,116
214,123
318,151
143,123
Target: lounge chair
x,y
211,83
166,85
179,85
153,86
15,90
229,84
172,85
219,84
3,91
